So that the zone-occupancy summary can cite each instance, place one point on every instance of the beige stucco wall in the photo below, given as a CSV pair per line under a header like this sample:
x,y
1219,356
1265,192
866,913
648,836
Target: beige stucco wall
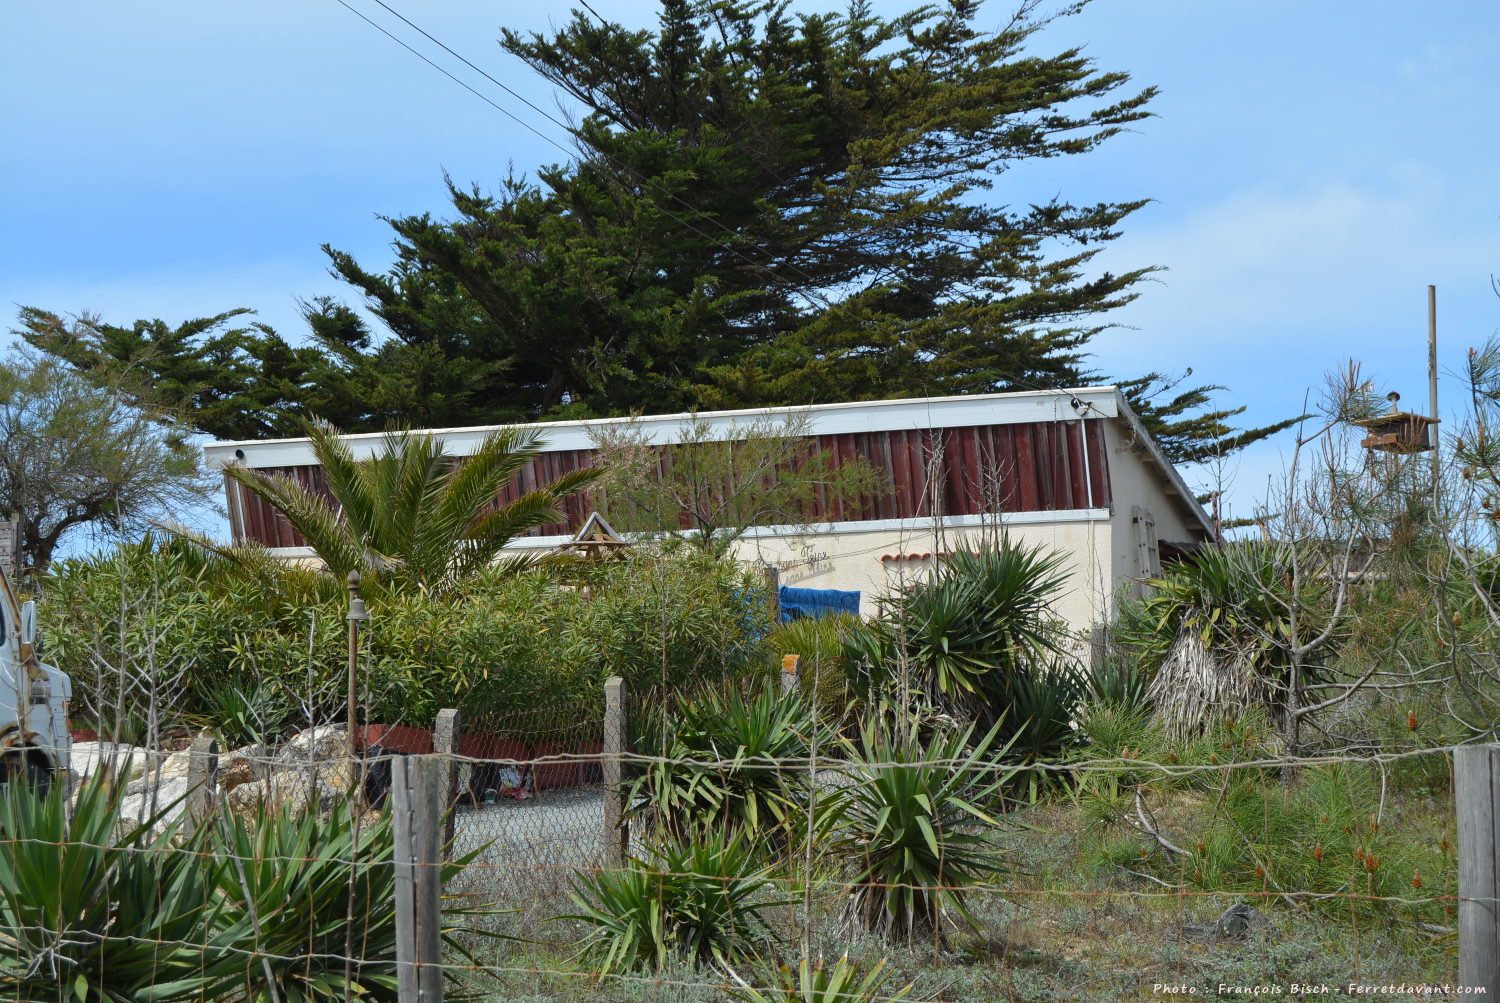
x,y
851,559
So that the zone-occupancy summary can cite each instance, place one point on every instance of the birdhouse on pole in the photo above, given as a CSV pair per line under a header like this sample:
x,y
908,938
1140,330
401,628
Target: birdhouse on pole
x,y
1397,432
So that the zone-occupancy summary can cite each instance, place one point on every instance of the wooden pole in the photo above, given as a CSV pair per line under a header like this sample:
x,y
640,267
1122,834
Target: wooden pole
x,y
790,667
203,768
1437,454
445,745
616,738
417,796
772,577
1476,771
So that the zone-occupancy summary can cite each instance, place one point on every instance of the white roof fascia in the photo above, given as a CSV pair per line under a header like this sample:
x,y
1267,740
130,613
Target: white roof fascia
x,y
1153,451
823,419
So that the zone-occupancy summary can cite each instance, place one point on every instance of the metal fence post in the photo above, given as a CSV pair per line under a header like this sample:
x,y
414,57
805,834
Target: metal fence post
x,y
203,770
445,744
417,801
1476,770
616,737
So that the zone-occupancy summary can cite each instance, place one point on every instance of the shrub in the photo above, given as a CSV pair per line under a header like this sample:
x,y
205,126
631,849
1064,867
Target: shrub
x,y
93,907
731,764
910,825
978,642
298,890
815,982
701,901
822,671
171,623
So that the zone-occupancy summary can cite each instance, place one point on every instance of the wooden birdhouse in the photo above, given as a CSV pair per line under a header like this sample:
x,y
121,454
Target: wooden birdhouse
x,y
1397,432
596,538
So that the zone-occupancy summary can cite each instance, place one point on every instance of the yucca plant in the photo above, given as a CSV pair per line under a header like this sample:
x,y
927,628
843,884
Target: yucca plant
x,y
956,639
302,889
700,902
414,516
731,763
815,982
93,907
1217,631
911,828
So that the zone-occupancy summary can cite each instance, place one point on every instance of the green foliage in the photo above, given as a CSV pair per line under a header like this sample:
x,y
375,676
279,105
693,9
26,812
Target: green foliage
x,y
412,516
731,763
815,982
710,488
823,670
1117,682
93,907
287,877
768,207
978,642
910,829
1236,597
77,453
509,644
702,901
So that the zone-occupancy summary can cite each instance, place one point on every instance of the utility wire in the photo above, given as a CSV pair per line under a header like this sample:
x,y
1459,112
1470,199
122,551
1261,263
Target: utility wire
x,y
811,296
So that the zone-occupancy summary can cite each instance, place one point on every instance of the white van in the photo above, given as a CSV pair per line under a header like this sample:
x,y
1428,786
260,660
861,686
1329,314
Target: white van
x,y
35,742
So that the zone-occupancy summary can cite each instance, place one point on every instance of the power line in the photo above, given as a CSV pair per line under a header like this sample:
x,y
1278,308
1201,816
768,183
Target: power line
x,y
811,296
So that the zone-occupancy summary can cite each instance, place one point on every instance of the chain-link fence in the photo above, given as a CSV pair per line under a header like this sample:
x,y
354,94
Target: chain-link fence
x,y
878,860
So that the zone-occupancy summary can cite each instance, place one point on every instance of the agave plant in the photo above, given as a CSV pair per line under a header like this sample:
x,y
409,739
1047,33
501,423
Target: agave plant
x,y
912,827
701,901
96,908
731,763
817,983
411,515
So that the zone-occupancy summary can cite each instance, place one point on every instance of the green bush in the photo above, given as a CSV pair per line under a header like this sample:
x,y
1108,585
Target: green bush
x,y
731,763
823,669
199,627
910,827
94,906
978,643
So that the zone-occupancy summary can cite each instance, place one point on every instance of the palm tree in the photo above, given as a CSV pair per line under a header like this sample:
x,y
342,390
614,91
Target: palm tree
x,y
413,515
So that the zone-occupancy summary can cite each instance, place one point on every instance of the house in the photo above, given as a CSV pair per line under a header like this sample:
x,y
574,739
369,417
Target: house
x,y
1073,470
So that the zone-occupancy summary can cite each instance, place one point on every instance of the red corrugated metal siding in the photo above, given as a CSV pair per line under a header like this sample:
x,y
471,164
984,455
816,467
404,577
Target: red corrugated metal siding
x,y
1035,467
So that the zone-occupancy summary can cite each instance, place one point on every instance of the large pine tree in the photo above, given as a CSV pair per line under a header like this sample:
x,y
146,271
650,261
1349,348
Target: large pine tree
x,y
767,207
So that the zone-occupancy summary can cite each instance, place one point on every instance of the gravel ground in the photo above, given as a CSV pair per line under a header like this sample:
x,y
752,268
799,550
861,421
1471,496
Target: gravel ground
x,y
529,850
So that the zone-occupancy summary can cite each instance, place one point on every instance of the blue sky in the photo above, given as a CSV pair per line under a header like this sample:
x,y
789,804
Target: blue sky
x,y
1314,166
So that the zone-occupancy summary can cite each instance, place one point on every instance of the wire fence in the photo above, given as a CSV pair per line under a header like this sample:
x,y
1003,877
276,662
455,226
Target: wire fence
x,y
939,873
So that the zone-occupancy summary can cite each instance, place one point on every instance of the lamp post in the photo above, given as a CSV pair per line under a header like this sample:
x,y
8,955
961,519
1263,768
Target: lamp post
x,y
357,615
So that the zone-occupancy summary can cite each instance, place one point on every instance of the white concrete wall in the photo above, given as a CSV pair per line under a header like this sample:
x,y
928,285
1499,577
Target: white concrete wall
x,y
850,559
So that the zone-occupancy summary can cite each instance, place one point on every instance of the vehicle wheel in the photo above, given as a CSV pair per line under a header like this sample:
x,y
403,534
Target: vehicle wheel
x,y
17,767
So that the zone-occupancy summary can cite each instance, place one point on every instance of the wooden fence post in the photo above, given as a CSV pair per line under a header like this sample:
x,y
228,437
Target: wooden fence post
x,y
1476,770
203,770
790,668
445,744
772,577
417,797
616,738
